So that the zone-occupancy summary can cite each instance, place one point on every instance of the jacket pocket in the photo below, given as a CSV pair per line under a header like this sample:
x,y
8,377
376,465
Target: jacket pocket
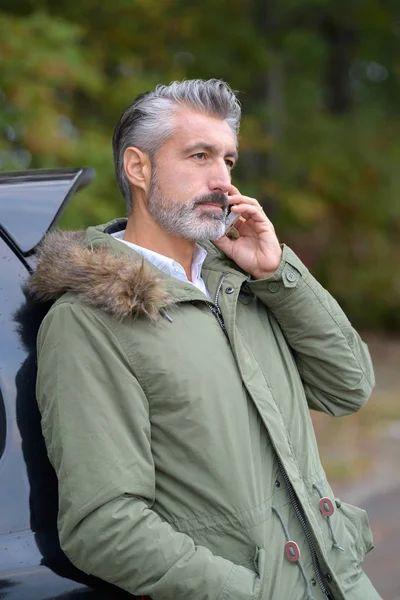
x,y
357,524
241,584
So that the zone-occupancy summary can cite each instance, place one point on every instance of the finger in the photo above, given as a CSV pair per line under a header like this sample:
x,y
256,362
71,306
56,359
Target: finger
x,y
233,191
239,199
224,244
254,211
240,223
245,229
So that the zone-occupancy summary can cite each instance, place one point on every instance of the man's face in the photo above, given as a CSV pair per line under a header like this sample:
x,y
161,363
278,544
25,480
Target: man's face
x,y
192,176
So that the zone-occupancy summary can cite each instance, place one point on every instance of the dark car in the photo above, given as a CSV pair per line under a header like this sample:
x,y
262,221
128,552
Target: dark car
x,y
32,564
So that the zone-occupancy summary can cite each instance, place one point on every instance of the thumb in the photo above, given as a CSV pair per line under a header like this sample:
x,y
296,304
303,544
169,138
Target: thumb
x,y
224,244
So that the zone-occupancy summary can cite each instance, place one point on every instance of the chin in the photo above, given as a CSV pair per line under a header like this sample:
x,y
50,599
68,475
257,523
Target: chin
x,y
200,229
210,234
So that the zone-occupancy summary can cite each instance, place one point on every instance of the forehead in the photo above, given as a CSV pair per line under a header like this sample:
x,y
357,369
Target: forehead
x,y
192,126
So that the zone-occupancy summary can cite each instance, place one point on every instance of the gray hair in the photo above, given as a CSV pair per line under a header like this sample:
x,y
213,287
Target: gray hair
x,y
147,124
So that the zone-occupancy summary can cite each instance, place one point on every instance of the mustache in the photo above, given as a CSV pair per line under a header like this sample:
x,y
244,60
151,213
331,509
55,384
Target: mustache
x,y
213,198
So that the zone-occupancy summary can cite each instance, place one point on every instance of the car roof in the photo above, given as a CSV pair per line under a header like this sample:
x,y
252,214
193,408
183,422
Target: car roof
x,y
32,202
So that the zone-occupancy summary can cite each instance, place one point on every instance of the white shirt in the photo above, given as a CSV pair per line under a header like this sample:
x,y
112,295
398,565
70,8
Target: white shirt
x,y
169,266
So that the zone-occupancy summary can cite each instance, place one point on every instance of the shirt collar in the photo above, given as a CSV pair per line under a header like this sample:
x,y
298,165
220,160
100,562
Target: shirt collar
x,y
164,263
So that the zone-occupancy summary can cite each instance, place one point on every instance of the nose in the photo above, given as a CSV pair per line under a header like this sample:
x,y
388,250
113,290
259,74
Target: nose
x,y
220,177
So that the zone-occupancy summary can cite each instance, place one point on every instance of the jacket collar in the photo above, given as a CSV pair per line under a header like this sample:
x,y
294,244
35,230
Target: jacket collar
x,y
104,273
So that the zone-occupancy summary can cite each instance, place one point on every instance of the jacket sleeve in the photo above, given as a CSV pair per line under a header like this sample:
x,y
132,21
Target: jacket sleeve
x,y
333,361
95,420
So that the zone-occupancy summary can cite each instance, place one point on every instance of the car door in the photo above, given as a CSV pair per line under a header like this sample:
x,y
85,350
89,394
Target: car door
x,y
32,564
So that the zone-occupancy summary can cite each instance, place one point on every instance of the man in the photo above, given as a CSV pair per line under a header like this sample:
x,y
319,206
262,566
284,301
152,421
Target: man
x,y
175,375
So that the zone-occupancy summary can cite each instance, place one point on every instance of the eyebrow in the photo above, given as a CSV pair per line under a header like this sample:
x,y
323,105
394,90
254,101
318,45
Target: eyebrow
x,y
209,148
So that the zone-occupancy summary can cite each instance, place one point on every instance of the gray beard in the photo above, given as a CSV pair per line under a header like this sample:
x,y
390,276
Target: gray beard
x,y
186,220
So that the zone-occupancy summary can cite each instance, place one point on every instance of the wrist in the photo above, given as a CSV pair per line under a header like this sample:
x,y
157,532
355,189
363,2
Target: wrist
x,y
263,274
272,269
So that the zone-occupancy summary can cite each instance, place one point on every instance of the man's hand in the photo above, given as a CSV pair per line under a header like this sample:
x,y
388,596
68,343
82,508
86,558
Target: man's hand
x,y
257,250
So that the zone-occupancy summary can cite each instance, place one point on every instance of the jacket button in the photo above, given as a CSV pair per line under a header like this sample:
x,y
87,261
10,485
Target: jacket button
x,y
273,287
326,507
229,290
292,551
290,276
313,582
328,577
277,483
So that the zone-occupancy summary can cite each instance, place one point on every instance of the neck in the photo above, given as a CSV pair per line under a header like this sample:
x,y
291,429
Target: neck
x,y
142,230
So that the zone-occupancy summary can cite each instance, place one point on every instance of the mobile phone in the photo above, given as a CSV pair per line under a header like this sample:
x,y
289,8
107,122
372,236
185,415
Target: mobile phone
x,y
231,219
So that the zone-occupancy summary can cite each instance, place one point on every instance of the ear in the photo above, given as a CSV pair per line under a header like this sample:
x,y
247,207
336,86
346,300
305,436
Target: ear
x,y
137,168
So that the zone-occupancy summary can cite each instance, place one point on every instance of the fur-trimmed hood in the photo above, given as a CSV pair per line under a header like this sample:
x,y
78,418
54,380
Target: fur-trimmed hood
x,y
99,276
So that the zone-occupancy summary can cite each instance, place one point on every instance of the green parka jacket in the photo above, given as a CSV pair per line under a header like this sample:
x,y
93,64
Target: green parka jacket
x,y
180,430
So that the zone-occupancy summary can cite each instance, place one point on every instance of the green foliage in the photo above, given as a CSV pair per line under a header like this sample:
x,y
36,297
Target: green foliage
x,y
319,85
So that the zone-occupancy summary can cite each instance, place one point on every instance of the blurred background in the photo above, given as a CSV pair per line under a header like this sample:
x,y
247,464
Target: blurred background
x,y
319,82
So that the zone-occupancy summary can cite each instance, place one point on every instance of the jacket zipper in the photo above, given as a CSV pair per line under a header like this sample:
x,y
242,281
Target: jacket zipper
x,y
215,309
299,514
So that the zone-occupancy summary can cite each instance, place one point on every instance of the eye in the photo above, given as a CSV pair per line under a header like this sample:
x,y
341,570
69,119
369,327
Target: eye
x,y
230,163
200,156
